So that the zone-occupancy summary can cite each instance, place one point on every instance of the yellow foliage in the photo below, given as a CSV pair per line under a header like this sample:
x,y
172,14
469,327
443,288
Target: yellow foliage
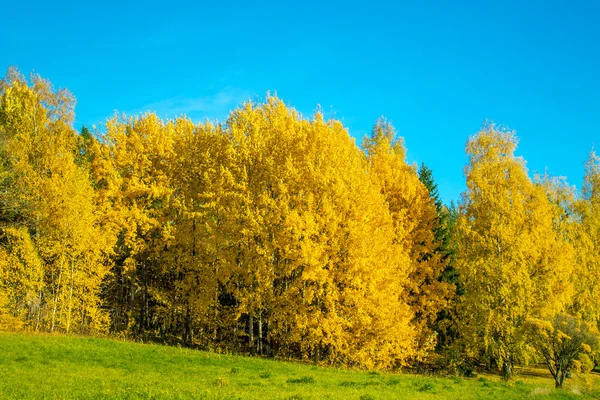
x,y
275,234
321,276
512,259
50,197
586,278
415,219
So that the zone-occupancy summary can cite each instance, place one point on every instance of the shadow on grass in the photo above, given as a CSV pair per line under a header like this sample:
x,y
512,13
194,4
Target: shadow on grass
x,y
304,379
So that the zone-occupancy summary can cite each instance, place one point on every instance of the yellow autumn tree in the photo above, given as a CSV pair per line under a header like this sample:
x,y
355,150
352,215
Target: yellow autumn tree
x,y
129,168
317,267
21,280
415,218
204,212
50,196
586,301
510,259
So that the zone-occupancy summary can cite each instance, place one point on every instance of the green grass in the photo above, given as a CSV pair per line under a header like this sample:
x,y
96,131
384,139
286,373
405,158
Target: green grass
x,y
61,367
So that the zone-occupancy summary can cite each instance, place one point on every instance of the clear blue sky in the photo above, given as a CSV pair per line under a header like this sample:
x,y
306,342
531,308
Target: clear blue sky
x,y
437,69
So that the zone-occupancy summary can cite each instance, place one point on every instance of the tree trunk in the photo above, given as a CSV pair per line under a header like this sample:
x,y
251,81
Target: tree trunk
x,y
39,310
186,337
251,332
559,380
56,293
260,333
71,297
507,369
216,306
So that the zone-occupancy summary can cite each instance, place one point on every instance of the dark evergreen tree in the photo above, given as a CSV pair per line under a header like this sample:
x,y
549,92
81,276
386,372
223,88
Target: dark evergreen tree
x,y
442,233
444,236
83,150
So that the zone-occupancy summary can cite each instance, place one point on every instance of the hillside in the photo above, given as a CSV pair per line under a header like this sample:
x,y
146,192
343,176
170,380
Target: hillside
x,y
52,367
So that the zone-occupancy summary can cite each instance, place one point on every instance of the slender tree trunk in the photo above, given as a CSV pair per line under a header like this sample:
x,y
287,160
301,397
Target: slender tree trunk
x,y
560,379
268,342
260,333
216,306
56,294
235,337
251,331
70,297
561,374
144,306
186,327
507,369
83,315
39,310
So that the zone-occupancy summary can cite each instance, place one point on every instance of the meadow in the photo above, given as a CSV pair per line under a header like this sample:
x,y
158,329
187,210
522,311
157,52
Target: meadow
x,y
43,366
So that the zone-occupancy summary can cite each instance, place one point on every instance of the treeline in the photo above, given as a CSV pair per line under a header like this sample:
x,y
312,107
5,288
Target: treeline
x,y
277,235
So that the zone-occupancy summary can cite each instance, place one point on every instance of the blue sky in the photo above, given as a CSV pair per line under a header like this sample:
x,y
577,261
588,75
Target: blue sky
x,y
436,69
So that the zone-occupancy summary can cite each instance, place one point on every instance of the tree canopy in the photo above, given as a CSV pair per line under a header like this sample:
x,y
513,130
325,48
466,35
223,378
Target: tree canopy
x,y
275,234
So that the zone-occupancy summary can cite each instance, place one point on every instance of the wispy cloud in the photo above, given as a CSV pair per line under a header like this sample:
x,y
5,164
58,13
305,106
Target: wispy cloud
x,y
215,106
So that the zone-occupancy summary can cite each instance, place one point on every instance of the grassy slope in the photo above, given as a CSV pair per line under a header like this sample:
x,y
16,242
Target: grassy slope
x,y
56,367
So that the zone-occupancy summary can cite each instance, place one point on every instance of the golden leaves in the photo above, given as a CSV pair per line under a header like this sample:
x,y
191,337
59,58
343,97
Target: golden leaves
x,y
54,201
274,233
514,261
